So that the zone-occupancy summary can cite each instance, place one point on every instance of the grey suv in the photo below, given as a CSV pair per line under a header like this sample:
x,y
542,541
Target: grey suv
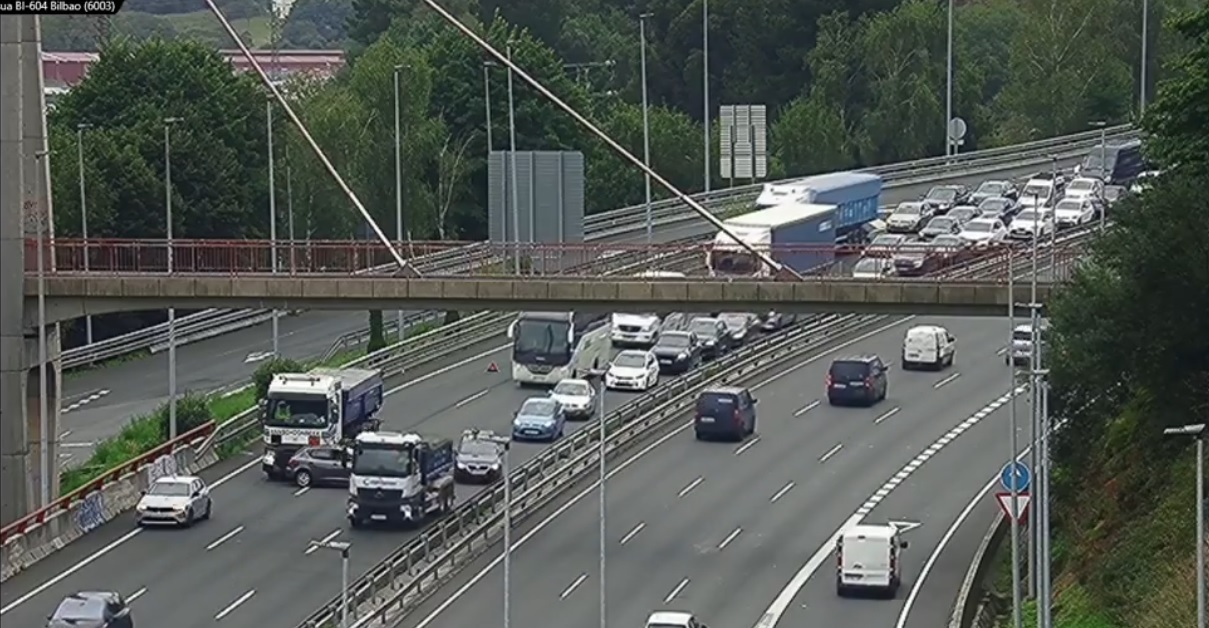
x,y
319,466
92,609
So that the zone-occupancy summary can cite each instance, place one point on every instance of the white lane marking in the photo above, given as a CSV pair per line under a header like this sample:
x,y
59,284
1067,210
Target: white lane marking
x,y
944,541
947,380
482,573
831,452
747,446
66,573
730,537
781,493
680,587
224,538
301,491
312,548
445,369
136,595
76,445
807,408
65,434
574,585
781,603
234,605
83,402
257,356
472,398
889,413
691,485
632,533
1001,351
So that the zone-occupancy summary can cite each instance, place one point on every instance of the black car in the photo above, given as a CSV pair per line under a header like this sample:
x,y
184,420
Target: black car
x,y
859,380
994,189
727,413
999,207
479,458
940,225
677,351
916,260
942,198
714,335
322,466
92,609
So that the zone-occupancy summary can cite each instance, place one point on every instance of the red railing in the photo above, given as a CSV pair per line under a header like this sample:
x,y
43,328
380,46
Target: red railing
x,y
65,502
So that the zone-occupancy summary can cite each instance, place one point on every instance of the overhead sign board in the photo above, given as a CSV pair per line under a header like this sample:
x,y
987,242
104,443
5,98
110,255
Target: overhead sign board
x,y
743,142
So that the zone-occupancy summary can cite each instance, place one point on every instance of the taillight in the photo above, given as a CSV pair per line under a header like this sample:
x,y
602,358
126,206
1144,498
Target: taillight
x,y
738,418
869,382
292,463
829,380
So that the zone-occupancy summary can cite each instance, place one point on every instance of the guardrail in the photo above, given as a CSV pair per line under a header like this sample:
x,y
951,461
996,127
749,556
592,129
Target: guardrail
x,y
428,560
971,610
623,220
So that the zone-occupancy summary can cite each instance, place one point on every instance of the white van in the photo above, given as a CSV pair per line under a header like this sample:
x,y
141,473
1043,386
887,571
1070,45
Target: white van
x,y
1020,352
673,619
868,559
928,346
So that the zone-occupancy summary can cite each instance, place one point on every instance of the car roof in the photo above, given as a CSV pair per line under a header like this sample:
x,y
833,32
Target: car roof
x,y
176,479
867,358
872,530
675,618
725,390
574,380
931,328
986,220
641,353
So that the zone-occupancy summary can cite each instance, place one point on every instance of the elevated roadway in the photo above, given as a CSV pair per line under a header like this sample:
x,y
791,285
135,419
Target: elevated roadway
x,y
188,579
719,529
135,387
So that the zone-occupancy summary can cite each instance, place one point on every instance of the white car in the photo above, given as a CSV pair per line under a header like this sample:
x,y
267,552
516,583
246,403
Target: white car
x,y
176,500
1085,187
1144,181
983,231
577,396
1037,193
1072,212
633,370
874,268
1031,223
635,329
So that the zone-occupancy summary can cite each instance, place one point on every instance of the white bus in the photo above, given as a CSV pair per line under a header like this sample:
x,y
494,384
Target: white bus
x,y
551,346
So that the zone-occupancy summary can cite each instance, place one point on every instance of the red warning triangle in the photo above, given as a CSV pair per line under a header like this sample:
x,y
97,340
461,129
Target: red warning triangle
x,y
492,368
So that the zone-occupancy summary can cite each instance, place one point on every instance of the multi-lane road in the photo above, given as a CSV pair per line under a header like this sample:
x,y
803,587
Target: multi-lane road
x,y
248,565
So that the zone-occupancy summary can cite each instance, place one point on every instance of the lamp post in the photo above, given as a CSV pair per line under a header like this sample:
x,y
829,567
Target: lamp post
x,y
516,202
42,226
80,128
1103,126
1013,440
1198,432
342,547
1145,47
268,107
398,177
168,122
705,83
646,124
487,65
601,469
289,206
949,141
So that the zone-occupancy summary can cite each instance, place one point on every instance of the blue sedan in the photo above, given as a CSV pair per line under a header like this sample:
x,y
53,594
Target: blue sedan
x,y
540,418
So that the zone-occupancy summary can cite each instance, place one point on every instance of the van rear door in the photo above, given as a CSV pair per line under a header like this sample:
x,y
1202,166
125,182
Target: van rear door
x,y
865,561
921,346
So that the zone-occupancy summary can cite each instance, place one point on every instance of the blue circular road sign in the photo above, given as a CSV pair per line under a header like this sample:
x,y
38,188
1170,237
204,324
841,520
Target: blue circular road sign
x,y
1015,476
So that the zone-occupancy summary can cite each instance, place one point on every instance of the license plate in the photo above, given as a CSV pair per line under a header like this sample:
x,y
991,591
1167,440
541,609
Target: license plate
x,y
665,361
378,517
839,385
532,432
707,419
856,384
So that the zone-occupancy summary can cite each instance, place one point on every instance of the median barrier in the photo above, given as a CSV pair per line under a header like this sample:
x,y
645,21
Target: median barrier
x,y
39,534
972,609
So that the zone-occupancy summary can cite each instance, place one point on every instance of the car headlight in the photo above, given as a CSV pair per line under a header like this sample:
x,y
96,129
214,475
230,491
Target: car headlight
x,y
141,507
178,507
710,343
462,465
682,356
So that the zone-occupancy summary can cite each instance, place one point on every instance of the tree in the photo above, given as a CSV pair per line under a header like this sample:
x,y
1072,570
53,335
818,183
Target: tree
x,y
317,23
377,332
812,136
1178,121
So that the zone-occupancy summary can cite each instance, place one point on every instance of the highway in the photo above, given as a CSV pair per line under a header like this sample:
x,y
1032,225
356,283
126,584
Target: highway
x,y
189,578
719,529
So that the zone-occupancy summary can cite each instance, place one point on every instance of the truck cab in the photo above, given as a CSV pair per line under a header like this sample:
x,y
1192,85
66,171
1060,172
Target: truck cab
x,y
399,478
869,559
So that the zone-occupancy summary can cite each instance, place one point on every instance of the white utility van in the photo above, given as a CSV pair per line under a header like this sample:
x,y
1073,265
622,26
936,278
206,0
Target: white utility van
x,y
1021,350
868,559
673,619
928,346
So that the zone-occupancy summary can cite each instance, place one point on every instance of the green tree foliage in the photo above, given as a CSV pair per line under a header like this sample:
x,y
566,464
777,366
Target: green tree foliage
x,y
1179,119
192,412
676,153
317,24
263,376
377,332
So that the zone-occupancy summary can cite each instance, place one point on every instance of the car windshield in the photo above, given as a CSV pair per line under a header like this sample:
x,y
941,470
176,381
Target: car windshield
x,y
1028,214
674,341
734,321
887,240
979,226
630,360
1080,184
386,461
907,210
171,489
1037,189
845,371
478,448
963,214
944,223
297,411
573,389
538,407
948,241
868,265
704,327
80,609
993,204
1068,205
942,194
992,187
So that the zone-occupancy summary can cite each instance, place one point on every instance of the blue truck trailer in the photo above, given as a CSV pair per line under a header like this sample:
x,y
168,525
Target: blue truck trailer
x,y
856,196
800,236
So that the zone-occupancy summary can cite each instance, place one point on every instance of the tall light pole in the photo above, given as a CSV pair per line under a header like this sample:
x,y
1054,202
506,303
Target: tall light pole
x,y
646,124
516,200
487,65
342,547
1013,440
949,141
1198,432
601,439
268,108
289,205
506,471
168,122
83,216
1145,56
42,226
398,176
1103,126
705,84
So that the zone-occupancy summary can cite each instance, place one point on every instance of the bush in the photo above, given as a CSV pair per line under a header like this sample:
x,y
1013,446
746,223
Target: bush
x,y
264,375
192,411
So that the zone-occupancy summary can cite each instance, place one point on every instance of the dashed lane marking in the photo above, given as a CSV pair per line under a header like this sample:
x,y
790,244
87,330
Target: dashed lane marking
x,y
632,533
574,585
807,408
79,403
314,547
136,595
691,485
679,588
730,537
748,445
781,493
947,380
831,452
234,605
889,413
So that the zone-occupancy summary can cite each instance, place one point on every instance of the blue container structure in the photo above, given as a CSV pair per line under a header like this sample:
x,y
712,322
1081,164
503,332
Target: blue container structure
x,y
798,235
856,195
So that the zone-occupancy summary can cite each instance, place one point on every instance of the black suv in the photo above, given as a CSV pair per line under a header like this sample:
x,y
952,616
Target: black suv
x,y
92,609
857,380
726,412
714,335
677,351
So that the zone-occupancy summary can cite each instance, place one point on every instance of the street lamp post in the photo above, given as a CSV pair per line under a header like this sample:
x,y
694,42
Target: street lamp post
x,y
41,220
268,106
83,215
487,65
949,141
516,201
168,122
1013,441
398,177
1198,432
646,123
1145,47
1103,126
705,83
602,468
342,547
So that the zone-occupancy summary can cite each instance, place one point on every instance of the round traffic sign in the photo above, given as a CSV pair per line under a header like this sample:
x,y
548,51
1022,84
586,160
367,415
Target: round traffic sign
x,y
1015,476
957,129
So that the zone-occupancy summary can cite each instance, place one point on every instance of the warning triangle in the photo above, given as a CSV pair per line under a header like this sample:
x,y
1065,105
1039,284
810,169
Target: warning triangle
x,y
1018,508
492,368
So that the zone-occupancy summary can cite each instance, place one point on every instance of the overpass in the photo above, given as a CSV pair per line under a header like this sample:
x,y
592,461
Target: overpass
x,y
233,276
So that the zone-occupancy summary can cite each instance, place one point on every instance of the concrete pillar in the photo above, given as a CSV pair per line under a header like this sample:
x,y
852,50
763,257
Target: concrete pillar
x,y
14,444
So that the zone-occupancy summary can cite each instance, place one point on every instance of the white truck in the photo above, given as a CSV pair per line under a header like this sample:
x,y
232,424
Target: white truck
x,y
399,478
869,559
322,407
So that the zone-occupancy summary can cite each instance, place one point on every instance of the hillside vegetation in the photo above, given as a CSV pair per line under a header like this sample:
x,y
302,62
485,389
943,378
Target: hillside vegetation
x,y
1131,347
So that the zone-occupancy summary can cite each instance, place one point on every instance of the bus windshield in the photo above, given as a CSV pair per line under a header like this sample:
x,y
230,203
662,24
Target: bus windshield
x,y
541,342
297,412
